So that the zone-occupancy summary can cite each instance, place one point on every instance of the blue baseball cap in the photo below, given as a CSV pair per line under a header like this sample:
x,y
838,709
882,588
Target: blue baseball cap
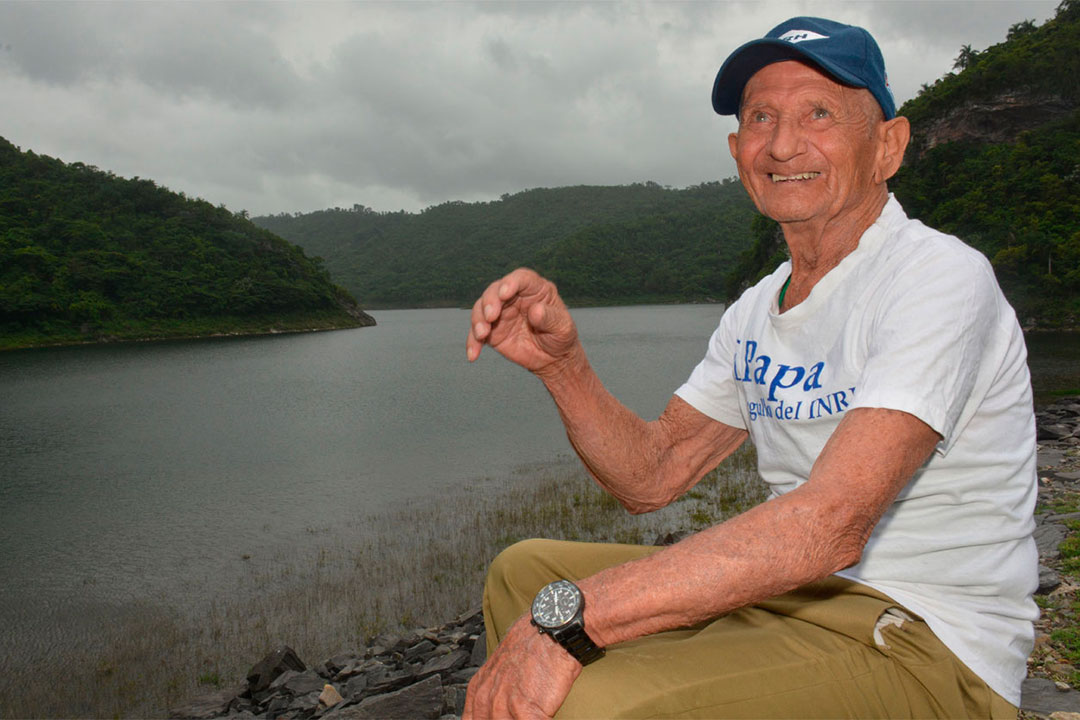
x,y
846,52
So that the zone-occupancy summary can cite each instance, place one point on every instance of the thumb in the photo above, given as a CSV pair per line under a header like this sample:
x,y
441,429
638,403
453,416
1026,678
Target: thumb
x,y
550,319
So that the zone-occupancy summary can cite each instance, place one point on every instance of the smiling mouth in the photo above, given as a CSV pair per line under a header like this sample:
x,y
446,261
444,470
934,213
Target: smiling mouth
x,y
776,178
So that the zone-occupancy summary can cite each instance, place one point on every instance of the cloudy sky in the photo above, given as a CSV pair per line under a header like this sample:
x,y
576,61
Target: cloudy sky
x,y
299,106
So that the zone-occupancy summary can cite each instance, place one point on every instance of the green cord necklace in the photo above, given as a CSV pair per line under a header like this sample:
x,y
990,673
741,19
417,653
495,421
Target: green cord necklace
x,y
783,291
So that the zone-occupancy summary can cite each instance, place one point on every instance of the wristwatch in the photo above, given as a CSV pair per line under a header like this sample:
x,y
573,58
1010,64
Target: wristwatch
x,y
559,611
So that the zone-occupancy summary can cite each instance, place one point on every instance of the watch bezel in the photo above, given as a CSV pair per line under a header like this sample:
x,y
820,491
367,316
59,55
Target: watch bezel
x,y
551,592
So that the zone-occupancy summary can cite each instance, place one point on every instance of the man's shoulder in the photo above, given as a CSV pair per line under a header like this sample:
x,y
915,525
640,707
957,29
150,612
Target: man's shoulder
x,y
912,241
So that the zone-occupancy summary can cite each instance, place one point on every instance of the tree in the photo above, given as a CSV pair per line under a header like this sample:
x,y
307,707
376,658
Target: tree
x,y
1021,28
966,58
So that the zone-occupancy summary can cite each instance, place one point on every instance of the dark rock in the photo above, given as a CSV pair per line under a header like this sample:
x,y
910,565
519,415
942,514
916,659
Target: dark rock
x,y
207,706
339,662
242,705
270,667
277,706
1049,580
420,649
305,703
454,699
386,640
1047,538
354,689
1063,517
1054,432
455,637
471,622
479,650
1069,476
445,664
1049,458
304,683
384,680
671,538
1041,695
420,700
279,682
464,675
354,668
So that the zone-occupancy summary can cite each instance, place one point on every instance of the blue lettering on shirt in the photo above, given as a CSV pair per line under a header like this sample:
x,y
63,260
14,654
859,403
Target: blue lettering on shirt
x,y
753,367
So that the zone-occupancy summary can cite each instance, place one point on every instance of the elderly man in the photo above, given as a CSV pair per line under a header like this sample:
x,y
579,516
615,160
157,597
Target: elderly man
x,y
882,377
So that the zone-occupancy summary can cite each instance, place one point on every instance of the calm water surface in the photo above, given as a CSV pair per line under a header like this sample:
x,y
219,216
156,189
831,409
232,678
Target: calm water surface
x,y
147,472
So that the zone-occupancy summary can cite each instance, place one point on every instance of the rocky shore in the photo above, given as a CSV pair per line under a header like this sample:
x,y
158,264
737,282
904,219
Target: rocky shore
x,y
425,673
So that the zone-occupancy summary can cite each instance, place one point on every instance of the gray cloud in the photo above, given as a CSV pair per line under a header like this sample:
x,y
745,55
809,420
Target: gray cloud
x,y
299,106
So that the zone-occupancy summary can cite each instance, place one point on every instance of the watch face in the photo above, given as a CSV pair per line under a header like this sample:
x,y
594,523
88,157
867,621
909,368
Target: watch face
x,y
556,604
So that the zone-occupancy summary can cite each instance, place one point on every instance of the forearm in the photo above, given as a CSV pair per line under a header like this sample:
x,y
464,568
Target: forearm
x,y
771,549
645,465
815,530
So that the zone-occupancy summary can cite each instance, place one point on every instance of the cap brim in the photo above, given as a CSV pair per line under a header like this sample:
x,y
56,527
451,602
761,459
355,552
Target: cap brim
x,y
756,54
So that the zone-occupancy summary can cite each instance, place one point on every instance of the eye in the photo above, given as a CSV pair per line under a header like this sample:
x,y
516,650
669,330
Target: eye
x,y
820,113
758,116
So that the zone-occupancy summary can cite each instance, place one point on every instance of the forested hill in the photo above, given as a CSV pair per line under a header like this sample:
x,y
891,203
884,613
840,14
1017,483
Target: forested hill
x,y
86,255
624,244
995,160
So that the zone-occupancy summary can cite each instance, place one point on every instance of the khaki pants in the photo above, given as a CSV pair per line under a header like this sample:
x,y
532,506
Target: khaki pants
x,y
807,654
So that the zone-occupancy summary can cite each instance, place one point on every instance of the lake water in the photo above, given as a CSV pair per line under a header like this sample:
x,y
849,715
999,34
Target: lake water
x,y
150,472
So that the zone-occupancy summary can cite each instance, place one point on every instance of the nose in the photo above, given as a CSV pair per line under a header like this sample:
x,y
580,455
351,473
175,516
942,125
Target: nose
x,y
788,139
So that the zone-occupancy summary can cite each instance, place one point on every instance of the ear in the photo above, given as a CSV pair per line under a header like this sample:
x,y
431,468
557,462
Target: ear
x,y
732,143
893,137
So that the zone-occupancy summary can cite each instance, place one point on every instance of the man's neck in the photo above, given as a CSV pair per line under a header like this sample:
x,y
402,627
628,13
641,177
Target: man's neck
x,y
818,247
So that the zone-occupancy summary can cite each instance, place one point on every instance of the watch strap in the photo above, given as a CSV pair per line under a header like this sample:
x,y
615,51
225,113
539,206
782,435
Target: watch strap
x,y
578,643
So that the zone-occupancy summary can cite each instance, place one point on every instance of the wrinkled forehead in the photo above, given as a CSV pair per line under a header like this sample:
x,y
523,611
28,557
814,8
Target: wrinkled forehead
x,y
799,79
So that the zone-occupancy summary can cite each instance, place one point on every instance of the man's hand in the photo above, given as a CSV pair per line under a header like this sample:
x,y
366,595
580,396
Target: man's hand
x,y
523,318
529,676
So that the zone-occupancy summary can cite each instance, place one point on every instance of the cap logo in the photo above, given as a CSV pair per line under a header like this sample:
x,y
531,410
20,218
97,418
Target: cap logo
x,y
798,36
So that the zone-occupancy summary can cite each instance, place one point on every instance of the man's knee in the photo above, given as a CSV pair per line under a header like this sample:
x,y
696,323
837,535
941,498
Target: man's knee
x,y
517,562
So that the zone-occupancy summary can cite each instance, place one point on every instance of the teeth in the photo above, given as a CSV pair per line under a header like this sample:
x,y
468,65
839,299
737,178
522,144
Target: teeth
x,y
798,176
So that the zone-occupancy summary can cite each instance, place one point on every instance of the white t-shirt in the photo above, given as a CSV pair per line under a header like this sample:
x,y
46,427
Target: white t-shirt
x,y
911,320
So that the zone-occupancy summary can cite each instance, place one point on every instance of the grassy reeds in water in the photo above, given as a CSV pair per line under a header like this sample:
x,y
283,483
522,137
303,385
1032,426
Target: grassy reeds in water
x,y
420,566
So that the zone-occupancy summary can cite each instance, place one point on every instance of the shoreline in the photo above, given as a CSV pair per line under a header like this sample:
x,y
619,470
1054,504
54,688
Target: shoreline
x,y
351,598
339,594
425,672
253,328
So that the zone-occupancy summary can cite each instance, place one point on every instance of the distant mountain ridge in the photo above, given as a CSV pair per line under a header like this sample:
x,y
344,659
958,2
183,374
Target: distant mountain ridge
x,y
994,159
86,255
600,244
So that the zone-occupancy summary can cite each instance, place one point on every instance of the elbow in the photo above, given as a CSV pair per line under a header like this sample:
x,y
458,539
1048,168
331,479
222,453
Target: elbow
x,y
847,547
846,555
639,505
648,493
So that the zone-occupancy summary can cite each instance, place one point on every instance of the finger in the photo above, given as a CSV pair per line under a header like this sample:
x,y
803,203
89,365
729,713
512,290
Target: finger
x,y
502,294
488,306
522,281
478,332
541,318
472,347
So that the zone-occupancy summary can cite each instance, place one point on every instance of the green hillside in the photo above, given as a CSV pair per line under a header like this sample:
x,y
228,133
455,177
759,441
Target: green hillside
x,y
87,256
996,161
625,244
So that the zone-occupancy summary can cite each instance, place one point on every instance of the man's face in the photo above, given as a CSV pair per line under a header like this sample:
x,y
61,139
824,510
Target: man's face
x,y
806,146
